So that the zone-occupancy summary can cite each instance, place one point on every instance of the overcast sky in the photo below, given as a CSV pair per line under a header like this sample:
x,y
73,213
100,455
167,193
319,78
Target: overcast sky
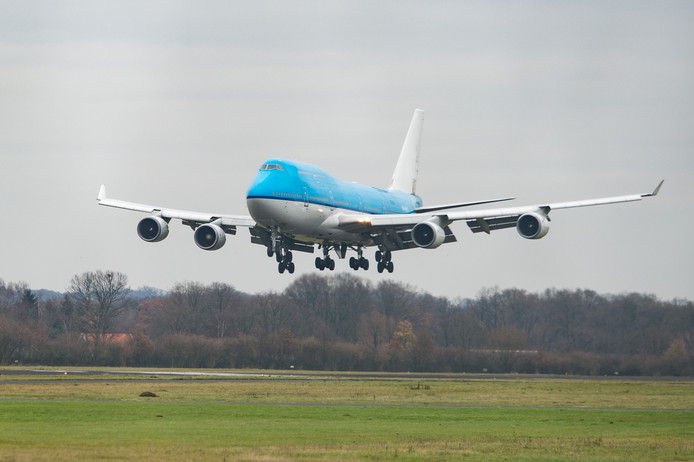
x,y
178,104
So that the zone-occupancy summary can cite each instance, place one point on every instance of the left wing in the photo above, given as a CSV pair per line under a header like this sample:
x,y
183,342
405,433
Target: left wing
x,y
531,221
155,227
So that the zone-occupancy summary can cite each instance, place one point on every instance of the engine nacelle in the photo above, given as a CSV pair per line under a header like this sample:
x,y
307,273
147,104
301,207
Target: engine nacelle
x,y
532,225
428,235
153,229
209,237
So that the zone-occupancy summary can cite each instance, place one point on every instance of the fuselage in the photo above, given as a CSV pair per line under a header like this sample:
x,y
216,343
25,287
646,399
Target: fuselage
x,y
305,201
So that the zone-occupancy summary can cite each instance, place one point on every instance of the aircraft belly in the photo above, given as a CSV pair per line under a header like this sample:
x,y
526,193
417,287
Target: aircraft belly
x,y
308,222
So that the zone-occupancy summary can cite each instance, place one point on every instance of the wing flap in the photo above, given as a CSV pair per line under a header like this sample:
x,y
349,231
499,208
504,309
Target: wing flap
x,y
262,237
487,225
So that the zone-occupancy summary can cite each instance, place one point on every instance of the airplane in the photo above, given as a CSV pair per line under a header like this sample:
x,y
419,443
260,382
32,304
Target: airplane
x,y
295,206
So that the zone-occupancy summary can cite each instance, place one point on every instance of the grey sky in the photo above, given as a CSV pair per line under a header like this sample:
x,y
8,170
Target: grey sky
x,y
179,103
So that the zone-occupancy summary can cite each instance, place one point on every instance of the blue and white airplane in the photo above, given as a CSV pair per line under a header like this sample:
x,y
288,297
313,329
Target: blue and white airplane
x,y
295,206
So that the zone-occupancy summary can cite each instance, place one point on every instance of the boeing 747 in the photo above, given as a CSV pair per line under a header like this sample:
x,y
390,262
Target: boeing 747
x,y
295,206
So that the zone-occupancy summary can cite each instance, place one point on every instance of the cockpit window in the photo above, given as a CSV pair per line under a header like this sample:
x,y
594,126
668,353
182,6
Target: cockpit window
x,y
271,167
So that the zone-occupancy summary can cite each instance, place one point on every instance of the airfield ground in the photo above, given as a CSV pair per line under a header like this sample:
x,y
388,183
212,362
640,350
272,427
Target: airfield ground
x,y
51,414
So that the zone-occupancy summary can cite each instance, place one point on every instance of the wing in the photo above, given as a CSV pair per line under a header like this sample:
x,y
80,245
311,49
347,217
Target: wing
x,y
227,222
393,230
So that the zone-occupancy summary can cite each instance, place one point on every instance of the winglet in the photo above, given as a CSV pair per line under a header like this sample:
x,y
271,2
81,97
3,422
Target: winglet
x,y
655,191
102,193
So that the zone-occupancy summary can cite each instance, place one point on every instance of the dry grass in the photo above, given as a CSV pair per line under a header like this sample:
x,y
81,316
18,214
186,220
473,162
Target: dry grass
x,y
536,392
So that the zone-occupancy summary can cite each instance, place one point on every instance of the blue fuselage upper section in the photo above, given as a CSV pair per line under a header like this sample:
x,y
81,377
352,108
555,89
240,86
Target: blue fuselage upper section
x,y
287,180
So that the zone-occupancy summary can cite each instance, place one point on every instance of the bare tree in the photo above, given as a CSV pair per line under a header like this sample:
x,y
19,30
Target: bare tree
x,y
100,297
222,299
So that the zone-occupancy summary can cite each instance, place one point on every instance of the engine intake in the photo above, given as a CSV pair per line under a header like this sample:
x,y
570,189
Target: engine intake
x,y
209,237
532,225
428,235
152,229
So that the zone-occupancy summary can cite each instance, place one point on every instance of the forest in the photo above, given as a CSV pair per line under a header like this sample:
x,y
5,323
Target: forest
x,y
344,323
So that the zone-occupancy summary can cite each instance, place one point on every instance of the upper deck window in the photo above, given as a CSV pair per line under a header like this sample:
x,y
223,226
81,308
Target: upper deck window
x,y
271,167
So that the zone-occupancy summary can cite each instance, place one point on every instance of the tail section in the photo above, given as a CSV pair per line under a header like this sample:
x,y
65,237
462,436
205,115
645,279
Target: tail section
x,y
405,175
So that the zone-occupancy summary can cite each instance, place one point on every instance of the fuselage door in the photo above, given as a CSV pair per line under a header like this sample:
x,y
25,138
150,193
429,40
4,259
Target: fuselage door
x,y
305,196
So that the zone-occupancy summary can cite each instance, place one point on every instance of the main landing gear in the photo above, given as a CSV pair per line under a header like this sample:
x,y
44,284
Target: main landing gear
x,y
359,262
284,261
282,254
326,262
384,261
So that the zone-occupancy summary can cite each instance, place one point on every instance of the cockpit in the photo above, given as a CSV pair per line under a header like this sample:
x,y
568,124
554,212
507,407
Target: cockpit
x,y
271,167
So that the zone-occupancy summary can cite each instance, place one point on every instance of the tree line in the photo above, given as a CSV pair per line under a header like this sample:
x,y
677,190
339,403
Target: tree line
x,y
343,322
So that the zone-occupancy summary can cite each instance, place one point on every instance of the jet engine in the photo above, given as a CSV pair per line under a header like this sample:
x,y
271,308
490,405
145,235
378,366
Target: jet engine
x,y
428,235
209,237
153,229
532,225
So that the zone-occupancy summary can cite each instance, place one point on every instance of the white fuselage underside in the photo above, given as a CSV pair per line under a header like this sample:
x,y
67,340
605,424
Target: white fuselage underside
x,y
303,220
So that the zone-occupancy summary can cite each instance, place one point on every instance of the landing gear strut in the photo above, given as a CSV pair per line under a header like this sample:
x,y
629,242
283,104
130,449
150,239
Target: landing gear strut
x,y
384,261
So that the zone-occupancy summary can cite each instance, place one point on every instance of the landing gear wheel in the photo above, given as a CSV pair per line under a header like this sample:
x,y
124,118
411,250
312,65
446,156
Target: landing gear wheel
x,y
363,263
320,264
270,252
281,268
384,261
330,264
290,267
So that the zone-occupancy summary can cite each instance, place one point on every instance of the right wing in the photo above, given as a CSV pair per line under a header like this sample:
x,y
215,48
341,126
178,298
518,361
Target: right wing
x,y
395,230
194,219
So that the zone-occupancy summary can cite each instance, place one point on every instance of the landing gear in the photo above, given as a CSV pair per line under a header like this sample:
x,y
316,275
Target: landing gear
x,y
289,267
284,262
325,263
359,262
384,261
282,254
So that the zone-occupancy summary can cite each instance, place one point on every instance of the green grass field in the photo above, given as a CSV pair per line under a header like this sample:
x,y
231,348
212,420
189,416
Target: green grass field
x,y
352,418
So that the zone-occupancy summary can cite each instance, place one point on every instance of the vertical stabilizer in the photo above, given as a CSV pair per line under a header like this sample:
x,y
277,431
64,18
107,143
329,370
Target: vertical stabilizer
x,y
405,175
